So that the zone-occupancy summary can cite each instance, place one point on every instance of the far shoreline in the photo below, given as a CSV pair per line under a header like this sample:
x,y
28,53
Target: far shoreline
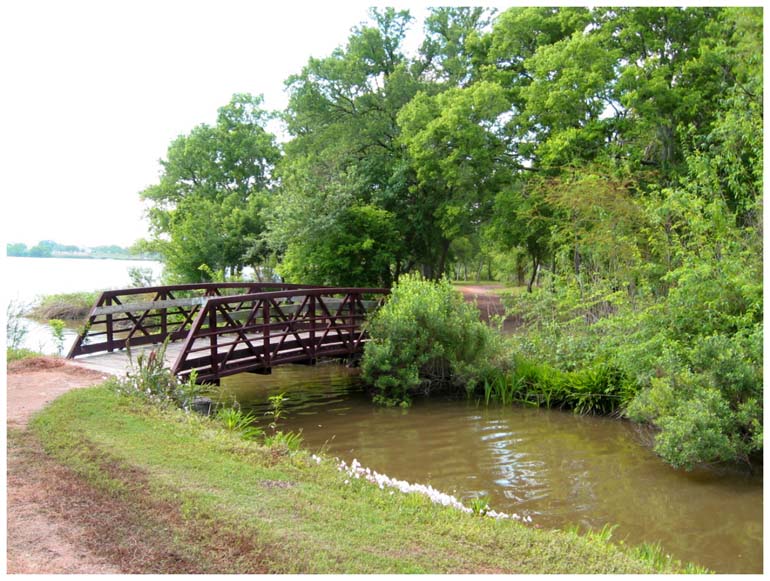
x,y
98,257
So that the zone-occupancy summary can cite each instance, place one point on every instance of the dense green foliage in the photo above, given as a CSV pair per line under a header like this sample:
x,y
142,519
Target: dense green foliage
x,y
610,159
356,250
599,389
426,338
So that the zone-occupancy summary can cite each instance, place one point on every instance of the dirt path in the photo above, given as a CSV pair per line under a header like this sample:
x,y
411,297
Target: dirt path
x,y
489,303
32,383
42,535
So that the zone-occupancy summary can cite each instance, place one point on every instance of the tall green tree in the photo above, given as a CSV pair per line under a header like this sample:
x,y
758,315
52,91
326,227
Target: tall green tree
x,y
207,206
344,152
456,155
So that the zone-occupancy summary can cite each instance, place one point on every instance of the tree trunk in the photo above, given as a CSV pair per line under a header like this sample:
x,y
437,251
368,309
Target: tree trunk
x,y
520,270
535,266
442,260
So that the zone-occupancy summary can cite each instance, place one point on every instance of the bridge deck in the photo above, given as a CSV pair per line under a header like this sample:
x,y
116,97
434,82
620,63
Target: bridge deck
x,y
118,362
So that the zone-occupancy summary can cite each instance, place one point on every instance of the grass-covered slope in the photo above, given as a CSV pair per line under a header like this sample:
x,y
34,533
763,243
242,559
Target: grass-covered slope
x,y
228,505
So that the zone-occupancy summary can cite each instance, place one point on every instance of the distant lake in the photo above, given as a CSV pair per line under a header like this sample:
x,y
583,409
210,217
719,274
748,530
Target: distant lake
x,y
27,279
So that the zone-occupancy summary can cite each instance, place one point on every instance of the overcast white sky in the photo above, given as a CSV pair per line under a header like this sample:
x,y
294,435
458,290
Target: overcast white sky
x,y
93,92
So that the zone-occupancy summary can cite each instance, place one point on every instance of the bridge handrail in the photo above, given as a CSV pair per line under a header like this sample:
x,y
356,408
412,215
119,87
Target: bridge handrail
x,y
205,286
112,302
152,321
316,325
305,291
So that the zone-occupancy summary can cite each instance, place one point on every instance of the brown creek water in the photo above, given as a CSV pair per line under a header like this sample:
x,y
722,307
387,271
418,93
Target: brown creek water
x,y
556,467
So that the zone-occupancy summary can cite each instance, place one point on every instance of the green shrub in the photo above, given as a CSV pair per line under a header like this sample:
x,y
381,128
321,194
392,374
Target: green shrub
x,y
57,330
698,428
688,344
149,379
425,338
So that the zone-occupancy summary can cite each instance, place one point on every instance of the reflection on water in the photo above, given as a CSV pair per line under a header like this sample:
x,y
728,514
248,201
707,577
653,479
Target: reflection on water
x,y
556,467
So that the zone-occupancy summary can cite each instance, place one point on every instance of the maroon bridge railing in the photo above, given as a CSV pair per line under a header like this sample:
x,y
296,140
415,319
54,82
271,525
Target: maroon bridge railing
x,y
255,332
230,328
141,316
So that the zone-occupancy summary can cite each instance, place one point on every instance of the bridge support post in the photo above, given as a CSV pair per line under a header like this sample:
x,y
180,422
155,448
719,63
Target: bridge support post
x,y
163,315
213,339
312,328
266,332
110,335
352,303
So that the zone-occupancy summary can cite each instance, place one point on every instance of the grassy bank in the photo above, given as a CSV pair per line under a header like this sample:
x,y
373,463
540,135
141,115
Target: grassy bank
x,y
222,504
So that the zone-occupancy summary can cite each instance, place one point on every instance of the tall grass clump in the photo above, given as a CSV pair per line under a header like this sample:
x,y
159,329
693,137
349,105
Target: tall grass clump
x,y
15,332
67,306
235,420
599,389
426,338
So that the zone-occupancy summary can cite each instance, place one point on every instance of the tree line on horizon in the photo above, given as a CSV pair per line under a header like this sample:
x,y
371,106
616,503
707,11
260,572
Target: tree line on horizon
x,y
51,248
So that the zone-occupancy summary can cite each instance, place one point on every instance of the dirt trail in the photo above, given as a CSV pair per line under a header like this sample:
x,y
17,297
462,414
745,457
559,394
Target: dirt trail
x,y
42,536
32,383
489,303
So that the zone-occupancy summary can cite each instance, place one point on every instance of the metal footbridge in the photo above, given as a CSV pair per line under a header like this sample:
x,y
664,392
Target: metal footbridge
x,y
220,329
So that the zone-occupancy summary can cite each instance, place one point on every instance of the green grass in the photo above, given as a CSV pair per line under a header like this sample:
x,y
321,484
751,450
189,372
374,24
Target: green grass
x,y
600,389
512,291
15,354
297,516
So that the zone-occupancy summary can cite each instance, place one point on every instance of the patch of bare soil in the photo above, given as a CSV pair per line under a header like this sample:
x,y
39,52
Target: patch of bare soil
x,y
43,537
59,523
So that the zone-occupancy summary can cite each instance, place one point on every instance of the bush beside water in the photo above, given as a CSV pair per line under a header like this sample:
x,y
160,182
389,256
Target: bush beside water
x,y
690,365
426,338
